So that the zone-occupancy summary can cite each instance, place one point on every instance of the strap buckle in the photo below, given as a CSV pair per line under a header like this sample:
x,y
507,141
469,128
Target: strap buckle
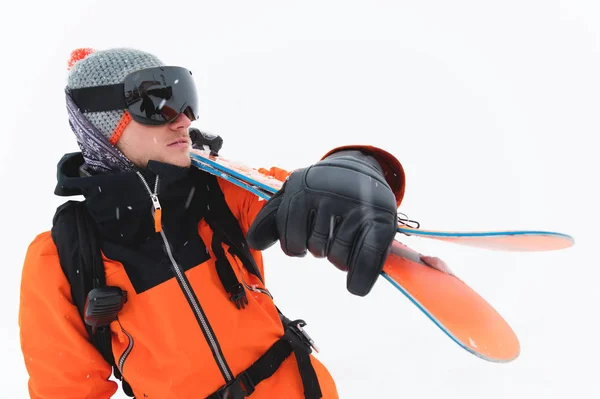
x,y
296,327
238,296
239,388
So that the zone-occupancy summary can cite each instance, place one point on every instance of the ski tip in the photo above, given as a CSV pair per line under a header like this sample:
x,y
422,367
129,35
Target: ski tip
x,y
460,312
504,349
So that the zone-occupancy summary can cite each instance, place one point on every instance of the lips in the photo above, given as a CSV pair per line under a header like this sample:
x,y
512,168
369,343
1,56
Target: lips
x,y
179,142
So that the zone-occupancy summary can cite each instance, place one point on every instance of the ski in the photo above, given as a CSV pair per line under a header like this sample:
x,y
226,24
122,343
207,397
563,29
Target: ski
x,y
504,240
456,309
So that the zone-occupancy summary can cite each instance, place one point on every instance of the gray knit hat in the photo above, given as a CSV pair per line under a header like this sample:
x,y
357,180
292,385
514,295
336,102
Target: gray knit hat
x,y
97,133
96,68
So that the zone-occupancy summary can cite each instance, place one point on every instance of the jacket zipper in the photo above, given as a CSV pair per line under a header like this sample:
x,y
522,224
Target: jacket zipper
x,y
127,350
256,288
253,287
187,290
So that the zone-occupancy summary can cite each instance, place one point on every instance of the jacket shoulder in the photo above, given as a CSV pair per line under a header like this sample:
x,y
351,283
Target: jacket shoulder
x,y
42,245
41,259
243,204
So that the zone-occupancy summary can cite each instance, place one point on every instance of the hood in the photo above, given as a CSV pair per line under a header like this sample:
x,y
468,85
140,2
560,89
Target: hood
x,y
120,202
73,179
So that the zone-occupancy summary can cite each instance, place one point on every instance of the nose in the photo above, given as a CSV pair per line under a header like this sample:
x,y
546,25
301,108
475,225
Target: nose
x,y
181,122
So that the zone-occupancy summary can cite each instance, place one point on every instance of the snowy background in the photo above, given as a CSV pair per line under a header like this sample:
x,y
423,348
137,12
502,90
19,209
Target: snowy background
x,y
492,107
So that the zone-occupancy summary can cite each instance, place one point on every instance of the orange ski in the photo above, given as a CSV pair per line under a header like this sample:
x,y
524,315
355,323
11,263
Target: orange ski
x,y
452,305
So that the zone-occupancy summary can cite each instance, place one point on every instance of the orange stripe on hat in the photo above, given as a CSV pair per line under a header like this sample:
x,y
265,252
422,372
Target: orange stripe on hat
x,y
116,135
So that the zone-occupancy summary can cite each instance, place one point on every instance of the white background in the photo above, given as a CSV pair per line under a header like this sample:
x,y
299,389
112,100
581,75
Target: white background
x,y
492,107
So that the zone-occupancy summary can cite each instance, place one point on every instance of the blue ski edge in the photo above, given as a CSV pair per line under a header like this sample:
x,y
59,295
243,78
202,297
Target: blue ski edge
x,y
410,231
232,172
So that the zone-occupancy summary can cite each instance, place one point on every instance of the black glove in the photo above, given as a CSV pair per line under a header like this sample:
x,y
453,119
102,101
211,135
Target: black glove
x,y
201,140
340,208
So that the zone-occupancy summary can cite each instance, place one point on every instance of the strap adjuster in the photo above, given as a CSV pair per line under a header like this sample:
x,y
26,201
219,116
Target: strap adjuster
x,y
239,388
296,327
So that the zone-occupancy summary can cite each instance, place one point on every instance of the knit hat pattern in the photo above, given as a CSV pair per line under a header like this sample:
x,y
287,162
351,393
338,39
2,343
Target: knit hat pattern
x,y
106,67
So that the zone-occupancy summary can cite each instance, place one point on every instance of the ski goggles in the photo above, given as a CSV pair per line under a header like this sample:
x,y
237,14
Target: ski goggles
x,y
153,96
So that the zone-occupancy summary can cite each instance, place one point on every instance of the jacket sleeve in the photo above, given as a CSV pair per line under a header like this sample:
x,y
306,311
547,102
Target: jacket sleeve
x,y
252,204
59,358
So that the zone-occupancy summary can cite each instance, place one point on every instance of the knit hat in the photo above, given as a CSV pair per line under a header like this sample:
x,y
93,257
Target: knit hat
x,y
98,132
90,68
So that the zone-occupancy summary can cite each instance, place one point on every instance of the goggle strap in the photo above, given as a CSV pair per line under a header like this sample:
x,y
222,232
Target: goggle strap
x,y
99,98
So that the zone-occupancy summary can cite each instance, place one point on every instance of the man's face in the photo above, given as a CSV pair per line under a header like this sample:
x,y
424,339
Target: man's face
x,y
167,143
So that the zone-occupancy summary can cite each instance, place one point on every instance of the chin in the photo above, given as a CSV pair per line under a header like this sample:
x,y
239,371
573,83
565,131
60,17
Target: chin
x,y
182,162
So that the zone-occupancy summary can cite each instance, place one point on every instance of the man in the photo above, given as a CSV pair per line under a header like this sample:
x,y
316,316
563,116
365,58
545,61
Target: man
x,y
196,319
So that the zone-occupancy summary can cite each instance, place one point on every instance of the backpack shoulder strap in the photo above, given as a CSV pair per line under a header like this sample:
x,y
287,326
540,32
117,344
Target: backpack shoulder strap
x,y
222,220
78,244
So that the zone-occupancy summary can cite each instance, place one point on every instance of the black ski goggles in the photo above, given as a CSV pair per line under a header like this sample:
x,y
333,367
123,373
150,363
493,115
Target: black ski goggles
x,y
153,96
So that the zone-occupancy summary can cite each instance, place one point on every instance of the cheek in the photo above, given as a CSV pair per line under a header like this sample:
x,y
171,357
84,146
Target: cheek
x,y
142,143
136,145
147,141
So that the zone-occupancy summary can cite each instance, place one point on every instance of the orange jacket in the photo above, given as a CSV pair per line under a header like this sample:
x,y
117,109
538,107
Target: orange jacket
x,y
157,342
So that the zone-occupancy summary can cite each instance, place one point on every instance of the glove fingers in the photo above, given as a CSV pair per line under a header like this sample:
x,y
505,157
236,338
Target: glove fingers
x,y
344,237
361,246
263,232
294,221
368,257
323,232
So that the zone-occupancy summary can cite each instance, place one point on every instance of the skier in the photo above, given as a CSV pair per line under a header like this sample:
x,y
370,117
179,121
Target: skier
x,y
179,308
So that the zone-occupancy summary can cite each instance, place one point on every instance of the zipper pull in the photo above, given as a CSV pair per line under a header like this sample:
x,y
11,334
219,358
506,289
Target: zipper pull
x,y
155,203
157,213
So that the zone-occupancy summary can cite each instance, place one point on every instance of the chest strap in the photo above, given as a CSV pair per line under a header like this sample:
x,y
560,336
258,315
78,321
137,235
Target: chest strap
x,y
292,341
